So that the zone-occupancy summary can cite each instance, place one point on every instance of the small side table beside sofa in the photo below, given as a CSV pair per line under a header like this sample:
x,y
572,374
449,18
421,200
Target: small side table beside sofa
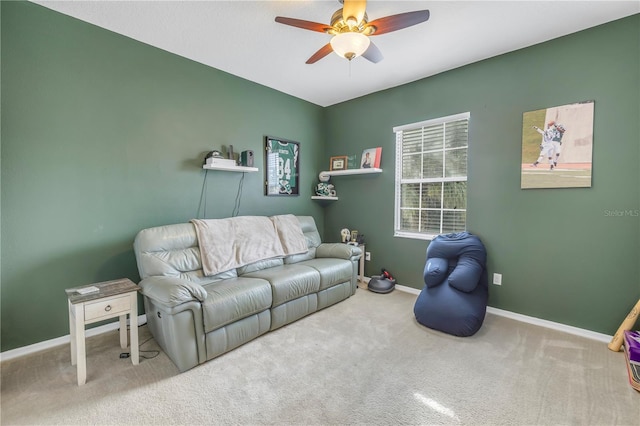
x,y
117,298
361,264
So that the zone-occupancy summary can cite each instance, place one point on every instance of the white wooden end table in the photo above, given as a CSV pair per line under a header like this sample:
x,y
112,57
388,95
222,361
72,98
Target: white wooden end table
x,y
117,298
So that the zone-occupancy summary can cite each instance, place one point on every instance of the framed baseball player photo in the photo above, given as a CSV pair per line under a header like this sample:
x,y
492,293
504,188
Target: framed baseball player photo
x,y
282,166
557,147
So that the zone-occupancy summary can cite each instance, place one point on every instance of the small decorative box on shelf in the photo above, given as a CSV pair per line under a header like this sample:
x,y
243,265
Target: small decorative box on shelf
x,y
225,162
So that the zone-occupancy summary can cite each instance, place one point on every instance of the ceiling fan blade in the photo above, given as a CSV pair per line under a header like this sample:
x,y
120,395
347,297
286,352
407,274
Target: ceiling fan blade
x,y
397,22
306,25
354,9
324,51
373,54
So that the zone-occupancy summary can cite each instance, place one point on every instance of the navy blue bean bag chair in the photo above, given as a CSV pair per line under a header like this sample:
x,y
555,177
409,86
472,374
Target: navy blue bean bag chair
x,y
454,298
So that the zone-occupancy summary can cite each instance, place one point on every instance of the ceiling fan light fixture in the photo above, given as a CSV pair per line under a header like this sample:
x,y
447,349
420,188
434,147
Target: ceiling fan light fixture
x,y
350,45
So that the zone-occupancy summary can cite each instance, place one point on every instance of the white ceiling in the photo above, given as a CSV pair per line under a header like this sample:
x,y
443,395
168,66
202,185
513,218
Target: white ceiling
x,y
242,38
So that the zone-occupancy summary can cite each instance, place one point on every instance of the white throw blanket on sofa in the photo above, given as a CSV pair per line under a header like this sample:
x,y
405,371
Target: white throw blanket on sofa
x,y
237,241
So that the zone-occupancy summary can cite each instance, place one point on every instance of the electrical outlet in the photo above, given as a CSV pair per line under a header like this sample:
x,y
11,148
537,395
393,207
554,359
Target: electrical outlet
x,y
497,279
367,255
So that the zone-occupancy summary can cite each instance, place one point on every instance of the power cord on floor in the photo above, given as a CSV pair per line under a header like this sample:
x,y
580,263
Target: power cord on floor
x,y
154,352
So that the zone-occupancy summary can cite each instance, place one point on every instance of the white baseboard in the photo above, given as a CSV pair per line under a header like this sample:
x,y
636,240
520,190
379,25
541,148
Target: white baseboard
x,y
142,319
550,324
407,289
63,340
532,320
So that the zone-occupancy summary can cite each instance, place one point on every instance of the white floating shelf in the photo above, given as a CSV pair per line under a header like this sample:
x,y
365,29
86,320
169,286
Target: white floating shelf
x,y
351,172
230,168
319,197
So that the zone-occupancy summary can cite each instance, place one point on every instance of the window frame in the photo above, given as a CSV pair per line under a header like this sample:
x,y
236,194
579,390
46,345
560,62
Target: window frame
x,y
399,181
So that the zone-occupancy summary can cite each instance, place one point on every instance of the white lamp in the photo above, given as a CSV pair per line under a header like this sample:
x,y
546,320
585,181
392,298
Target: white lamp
x,y
350,45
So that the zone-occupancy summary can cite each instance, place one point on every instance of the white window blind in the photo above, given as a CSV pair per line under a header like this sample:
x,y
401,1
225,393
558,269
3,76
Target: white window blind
x,y
431,177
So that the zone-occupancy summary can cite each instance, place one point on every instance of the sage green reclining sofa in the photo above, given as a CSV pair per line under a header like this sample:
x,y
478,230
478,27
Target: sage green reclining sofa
x,y
195,317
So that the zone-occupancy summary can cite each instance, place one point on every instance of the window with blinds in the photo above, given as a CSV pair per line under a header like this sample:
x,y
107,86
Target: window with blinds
x,y
431,177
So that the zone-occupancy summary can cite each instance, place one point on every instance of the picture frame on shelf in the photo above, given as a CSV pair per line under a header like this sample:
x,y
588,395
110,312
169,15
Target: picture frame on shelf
x,y
282,167
338,163
352,161
371,158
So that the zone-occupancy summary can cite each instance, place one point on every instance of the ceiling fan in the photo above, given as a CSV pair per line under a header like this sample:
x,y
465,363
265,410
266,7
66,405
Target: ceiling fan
x,y
350,28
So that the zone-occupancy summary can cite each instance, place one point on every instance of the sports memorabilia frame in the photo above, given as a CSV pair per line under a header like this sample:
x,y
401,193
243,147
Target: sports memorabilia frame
x,y
282,167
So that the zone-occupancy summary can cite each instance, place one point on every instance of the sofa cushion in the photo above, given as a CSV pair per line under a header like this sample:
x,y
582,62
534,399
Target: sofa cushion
x,y
167,250
289,282
332,271
259,265
172,251
297,258
233,299
310,231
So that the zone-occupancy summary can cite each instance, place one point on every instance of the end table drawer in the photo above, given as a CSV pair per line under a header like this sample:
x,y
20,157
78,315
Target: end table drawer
x,y
106,308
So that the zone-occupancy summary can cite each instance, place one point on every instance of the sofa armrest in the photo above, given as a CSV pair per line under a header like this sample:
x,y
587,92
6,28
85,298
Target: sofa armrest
x,y
339,250
172,291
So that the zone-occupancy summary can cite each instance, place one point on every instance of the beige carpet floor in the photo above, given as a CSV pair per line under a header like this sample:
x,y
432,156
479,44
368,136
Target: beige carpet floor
x,y
362,361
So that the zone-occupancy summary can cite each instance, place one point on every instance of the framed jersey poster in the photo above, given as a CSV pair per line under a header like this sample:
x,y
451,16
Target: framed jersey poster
x,y
282,167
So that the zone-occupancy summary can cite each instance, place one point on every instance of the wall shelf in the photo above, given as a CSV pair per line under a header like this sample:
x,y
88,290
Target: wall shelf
x,y
343,173
351,172
230,168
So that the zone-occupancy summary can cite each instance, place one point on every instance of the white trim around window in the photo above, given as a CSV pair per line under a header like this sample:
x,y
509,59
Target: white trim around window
x,y
431,177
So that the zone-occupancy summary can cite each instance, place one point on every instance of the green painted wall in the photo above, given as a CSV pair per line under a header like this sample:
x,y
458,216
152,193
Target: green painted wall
x,y
103,136
563,255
